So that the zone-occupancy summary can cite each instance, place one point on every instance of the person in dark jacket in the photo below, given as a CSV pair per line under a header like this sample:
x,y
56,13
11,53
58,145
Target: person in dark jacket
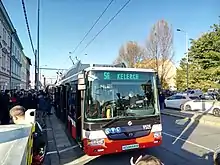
x,y
161,100
4,109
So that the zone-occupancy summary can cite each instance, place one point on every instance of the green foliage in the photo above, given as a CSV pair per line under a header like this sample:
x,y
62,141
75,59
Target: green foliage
x,y
204,62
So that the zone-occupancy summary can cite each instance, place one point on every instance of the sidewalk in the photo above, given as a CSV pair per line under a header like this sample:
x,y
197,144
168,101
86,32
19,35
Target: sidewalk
x,y
194,116
60,149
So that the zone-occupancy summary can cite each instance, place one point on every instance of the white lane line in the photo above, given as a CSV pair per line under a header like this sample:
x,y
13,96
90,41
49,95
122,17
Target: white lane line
x,y
47,129
83,159
185,129
51,152
187,141
63,150
68,148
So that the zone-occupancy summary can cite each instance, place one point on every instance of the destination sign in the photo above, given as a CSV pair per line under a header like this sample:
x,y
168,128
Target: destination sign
x,y
126,76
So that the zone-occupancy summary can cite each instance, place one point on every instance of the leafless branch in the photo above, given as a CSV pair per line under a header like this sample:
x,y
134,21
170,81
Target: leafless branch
x,y
159,49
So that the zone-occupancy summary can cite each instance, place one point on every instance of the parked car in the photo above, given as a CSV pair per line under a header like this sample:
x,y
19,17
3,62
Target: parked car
x,y
177,101
206,106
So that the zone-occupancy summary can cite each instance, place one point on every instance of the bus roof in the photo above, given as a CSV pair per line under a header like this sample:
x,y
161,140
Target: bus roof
x,y
74,71
119,69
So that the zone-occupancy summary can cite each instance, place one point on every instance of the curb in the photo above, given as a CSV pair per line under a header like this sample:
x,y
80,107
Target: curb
x,y
207,122
202,121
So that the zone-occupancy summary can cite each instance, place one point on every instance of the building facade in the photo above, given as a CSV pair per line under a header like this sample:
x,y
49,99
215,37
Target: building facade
x,y
28,71
16,65
6,29
23,71
163,67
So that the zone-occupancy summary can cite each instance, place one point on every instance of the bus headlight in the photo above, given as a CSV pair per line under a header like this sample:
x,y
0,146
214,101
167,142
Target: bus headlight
x,y
96,142
157,135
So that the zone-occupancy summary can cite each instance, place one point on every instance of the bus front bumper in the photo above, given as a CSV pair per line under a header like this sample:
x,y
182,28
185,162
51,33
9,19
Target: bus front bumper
x,y
106,146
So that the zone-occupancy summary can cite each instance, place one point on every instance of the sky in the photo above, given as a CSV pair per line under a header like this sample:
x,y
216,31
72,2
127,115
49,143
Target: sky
x,y
63,23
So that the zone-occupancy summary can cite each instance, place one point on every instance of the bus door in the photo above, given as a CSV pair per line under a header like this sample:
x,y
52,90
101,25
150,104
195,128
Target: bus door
x,y
78,115
58,102
68,90
72,111
63,104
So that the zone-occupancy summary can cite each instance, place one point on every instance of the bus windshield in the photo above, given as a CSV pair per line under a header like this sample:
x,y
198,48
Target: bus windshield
x,y
123,94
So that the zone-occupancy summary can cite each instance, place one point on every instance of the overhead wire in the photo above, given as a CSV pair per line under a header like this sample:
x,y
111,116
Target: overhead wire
x,y
105,26
97,20
27,24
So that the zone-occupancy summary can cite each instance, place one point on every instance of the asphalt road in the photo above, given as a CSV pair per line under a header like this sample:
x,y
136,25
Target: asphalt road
x,y
184,143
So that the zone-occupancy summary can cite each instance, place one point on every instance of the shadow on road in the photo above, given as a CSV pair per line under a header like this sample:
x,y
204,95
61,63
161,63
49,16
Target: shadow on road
x,y
175,150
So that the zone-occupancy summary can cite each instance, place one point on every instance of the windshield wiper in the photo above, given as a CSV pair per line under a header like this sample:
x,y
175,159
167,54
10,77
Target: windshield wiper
x,y
111,121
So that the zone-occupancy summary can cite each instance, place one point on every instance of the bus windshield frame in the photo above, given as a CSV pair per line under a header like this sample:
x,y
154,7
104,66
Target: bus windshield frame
x,y
121,94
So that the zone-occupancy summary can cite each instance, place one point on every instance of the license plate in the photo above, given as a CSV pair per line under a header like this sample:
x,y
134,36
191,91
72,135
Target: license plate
x,y
131,146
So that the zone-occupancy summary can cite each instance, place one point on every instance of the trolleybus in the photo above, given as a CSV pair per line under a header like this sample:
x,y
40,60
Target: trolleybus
x,y
110,109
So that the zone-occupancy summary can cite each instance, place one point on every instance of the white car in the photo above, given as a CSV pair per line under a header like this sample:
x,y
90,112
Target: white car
x,y
207,106
177,101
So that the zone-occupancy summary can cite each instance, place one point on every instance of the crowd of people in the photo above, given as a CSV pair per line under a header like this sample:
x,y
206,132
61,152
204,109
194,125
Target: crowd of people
x,y
13,107
31,99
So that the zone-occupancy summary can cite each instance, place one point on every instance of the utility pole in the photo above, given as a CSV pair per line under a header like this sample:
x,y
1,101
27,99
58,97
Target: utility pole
x,y
187,57
38,41
187,61
35,69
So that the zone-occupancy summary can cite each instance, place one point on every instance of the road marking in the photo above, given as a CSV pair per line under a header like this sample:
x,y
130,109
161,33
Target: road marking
x,y
185,129
63,150
83,159
187,141
51,152
68,148
47,129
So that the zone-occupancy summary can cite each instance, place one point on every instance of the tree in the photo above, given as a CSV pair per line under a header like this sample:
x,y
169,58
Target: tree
x,y
159,50
130,53
204,62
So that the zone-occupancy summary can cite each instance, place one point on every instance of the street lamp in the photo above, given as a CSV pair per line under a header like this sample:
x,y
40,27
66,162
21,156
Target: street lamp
x,y
187,57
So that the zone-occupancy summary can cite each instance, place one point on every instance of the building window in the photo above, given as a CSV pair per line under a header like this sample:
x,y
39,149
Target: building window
x,y
4,34
13,49
8,63
9,40
12,45
0,60
12,66
16,68
3,60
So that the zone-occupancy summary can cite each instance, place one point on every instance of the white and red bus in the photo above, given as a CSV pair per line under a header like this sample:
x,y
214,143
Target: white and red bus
x,y
110,109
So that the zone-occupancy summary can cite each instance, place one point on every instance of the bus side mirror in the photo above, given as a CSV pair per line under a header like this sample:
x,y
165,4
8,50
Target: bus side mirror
x,y
81,82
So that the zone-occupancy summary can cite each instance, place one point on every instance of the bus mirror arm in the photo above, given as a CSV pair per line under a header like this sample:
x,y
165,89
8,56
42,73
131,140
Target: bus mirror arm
x,y
81,87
